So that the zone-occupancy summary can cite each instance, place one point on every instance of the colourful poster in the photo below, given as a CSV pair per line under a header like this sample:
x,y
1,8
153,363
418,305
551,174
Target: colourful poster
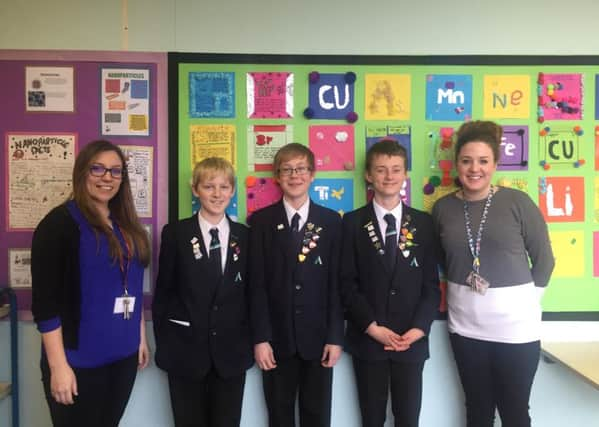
x,y
405,193
560,147
506,97
514,149
448,97
263,143
568,250
336,194
597,148
38,175
231,210
596,96
331,96
387,96
596,201
50,89
400,133
513,182
270,95
212,141
333,147
596,254
211,94
560,97
261,192
561,199
125,96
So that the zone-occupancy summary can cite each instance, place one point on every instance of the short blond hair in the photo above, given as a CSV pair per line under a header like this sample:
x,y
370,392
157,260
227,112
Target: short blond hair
x,y
211,166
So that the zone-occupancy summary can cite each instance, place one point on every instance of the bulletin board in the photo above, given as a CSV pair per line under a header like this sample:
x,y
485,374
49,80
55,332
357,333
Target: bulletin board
x,y
244,107
53,104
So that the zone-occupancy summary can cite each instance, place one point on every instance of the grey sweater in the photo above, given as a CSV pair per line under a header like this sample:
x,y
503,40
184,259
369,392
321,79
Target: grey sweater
x,y
514,232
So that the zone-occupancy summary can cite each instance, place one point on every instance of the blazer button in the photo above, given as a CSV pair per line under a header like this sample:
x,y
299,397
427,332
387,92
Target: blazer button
x,y
215,308
213,333
393,292
298,287
298,311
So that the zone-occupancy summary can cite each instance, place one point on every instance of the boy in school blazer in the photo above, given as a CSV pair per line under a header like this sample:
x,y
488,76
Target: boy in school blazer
x,y
200,307
390,289
296,314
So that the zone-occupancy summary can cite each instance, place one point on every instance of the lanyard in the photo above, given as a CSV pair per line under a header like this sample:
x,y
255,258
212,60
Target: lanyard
x,y
475,246
124,262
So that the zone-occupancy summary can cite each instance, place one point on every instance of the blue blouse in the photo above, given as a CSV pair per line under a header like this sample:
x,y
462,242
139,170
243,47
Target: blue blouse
x,y
104,336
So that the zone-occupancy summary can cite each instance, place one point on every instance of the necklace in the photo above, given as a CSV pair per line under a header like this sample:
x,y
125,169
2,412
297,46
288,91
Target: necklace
x,y
475,280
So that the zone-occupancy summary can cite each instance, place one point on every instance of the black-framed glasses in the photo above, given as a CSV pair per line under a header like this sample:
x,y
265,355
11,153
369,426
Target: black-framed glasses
x,y
300,170
99,171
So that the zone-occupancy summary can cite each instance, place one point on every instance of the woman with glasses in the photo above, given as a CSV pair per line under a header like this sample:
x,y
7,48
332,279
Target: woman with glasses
x,y
87,262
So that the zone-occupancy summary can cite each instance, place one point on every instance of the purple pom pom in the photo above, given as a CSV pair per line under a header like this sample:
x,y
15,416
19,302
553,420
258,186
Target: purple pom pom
x,y
428,189
314,76
457,182
308,113
350,77
352,117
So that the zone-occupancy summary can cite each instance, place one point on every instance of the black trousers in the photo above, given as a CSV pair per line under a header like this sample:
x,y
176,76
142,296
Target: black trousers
x,y
373,380
103,394
210,402
496,375
312,381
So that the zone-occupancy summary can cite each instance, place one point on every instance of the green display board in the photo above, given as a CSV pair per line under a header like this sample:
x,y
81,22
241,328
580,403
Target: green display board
x,y
244,106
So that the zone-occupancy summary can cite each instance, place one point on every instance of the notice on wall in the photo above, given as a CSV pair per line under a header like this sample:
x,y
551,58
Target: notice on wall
x,y
139,169
212,141
19,268
49,89
125,101
39,175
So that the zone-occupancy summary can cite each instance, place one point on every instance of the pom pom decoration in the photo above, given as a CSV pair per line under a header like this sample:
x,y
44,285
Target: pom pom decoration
x,y
351,117
582,161
428,189
308,113
314,76
350,77
546,166
250,181
435,181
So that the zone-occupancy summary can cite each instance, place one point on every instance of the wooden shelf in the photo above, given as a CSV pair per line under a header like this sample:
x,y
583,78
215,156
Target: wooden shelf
x,y
4,310
4,390
580,357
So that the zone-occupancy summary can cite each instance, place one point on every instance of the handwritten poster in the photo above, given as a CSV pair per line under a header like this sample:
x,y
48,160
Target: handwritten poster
x,y
513,150
140,160
261,192
399,133
211,95
19,268
388,96
270,95
568,250
560,96
212,141
49,89
333,193
561,199
331,96
560,146
263,143
448,97
38,175
506,97
333,147
125,101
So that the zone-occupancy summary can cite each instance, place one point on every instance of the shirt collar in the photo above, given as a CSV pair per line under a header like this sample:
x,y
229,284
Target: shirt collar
x,y
302,211
380,212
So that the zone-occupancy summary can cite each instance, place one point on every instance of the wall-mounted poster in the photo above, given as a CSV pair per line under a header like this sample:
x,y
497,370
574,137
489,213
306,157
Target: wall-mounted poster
x,y
38,175
212,141
139,169
19,268
270,95
263,143
125,101
49,89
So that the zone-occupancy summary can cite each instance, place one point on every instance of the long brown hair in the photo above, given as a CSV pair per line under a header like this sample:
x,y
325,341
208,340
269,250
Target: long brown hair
x,y
122,208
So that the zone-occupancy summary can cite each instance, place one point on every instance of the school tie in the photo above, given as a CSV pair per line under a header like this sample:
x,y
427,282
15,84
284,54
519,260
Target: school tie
x,y
295,223
214,255
390,241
